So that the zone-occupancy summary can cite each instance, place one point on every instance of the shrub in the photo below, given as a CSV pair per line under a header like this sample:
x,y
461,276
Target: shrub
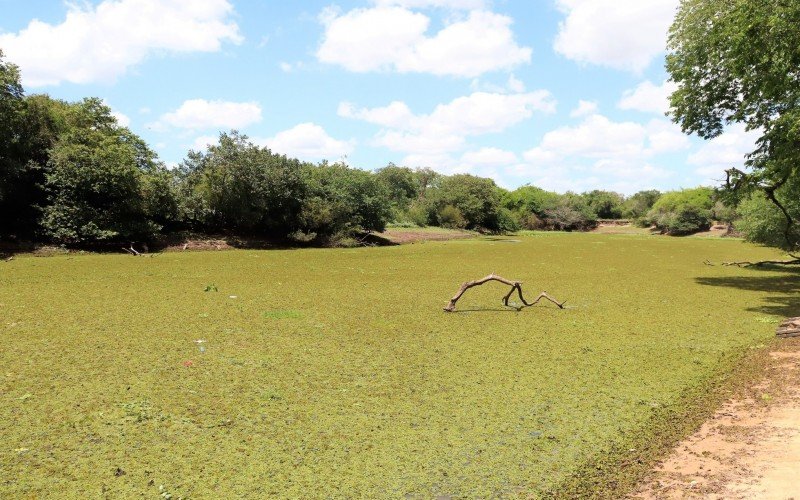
x,y
531,222
683,212
637,206
605,204
761,221
476,198
451,217
507,221
686,220
420,213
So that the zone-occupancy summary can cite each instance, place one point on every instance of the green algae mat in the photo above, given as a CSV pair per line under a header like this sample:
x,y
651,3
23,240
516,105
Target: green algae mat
x,y
336,374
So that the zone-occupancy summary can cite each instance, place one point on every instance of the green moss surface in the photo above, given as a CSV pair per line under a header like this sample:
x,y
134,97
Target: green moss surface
x,y
335,373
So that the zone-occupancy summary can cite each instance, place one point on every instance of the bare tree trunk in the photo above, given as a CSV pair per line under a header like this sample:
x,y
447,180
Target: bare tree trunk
x,y
516,286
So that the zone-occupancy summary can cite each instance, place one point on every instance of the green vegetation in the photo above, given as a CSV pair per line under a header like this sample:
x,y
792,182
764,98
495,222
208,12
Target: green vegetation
x,y
683,212
334,373
738,61
70,174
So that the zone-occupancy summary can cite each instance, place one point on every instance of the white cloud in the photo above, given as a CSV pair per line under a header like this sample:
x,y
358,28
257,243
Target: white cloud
x,y
100,43
600,139
599,153
723,152
513,86
421,4
446,128
620,34
307,141
666,137
596,137
198,114
394,38
122,119
490,157
202,142
584,108
648,97
288,67
396,115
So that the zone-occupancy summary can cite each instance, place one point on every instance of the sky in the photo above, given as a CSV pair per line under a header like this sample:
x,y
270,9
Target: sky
x,y
561,94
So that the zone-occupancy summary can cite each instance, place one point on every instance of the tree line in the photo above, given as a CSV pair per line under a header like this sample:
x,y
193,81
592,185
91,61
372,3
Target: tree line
x,y
70,174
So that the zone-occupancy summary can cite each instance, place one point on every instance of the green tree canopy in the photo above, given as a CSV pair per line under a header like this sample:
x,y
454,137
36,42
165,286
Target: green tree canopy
x,y
738,61
95,180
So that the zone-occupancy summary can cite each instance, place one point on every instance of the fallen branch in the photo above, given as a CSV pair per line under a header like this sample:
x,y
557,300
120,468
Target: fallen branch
x,y
132,251
516,286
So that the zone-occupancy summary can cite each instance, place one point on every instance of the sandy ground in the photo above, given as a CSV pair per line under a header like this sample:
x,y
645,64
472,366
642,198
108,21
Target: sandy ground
x,y
749,449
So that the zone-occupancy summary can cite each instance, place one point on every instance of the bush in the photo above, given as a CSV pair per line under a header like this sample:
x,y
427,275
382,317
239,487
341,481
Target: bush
x,y
605,204
507,221
683,212
637,206
761,221
451,217
420,214
686,220
571,213
531,222
476,198
97,180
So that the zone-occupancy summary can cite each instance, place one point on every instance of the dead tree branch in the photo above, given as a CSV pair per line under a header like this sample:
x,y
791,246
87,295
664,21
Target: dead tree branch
x,y
132,251
516,286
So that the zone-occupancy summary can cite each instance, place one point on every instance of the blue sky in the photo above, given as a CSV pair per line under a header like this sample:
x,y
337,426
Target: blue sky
x,y
563,94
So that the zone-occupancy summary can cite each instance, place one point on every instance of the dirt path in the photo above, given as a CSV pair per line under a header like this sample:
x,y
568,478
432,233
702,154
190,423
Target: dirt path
x,y
749,449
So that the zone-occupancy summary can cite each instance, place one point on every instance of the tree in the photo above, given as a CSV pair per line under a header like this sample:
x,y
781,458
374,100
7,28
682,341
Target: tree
x,y
683,212
96,181
738,61
400,183
571,213
342,202
605,204
22,155
238,187
476,198
761,221
637,206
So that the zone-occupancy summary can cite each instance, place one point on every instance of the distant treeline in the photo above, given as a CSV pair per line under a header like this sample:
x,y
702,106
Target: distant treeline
x,y
70,174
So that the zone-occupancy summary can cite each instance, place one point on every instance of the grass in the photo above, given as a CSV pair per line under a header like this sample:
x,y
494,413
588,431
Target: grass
x,y
335,373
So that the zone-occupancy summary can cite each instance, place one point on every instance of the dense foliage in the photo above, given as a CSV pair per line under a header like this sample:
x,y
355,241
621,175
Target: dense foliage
x,y
71,174
738,61
683,212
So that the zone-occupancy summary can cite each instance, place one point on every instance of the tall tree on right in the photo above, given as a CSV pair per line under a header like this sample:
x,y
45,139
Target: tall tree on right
x,y
738,61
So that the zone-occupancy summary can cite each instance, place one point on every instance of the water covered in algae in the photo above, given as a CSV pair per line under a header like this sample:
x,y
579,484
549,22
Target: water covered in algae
x,y
335,373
